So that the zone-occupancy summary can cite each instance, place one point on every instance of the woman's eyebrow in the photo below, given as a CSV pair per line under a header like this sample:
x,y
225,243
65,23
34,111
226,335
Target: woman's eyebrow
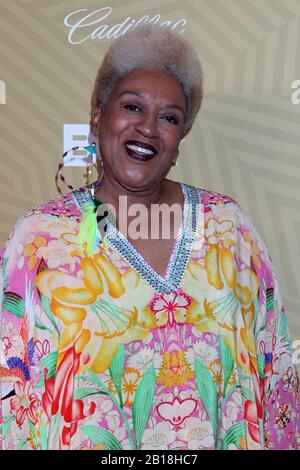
x,y
142,95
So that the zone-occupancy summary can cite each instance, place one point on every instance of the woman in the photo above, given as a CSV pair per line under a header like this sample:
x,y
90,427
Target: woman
x,y
111,341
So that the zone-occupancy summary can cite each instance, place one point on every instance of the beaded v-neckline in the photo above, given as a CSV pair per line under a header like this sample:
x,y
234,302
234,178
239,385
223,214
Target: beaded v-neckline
x,y
180,255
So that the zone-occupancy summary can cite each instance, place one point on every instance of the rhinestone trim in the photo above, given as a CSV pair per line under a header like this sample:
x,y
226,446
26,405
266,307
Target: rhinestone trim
x,y
190,223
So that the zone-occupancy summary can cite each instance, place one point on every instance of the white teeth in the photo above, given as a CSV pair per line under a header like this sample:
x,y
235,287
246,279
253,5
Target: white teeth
x,y
140,149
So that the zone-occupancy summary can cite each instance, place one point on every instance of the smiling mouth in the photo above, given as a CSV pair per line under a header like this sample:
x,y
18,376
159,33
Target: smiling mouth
x,y
139,153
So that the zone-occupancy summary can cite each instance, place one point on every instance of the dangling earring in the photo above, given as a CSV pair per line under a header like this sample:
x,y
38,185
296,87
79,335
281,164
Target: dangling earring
x,y
91,148
98,182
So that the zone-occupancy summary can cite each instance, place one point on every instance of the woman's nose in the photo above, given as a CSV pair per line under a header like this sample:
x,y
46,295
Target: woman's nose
x,y
147,125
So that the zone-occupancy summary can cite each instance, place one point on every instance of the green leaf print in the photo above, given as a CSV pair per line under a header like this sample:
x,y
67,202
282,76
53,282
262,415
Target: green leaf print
x,y
143,403
54,432
247,394
6,425
270,299
43,436
100,436
85,392
46,306
233,435
282,325
21,443
41,382
261,365
87,378
34,436
227,363
38,324
208,393
96,380
116,371
259,320
228,395
13,303
4,273
49,362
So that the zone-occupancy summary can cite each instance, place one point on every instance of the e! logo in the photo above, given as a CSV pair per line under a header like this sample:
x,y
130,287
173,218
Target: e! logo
x,y
77,135
2,92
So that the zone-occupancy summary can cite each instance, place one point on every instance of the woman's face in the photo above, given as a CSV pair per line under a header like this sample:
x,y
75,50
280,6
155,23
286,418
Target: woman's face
x,y
147,106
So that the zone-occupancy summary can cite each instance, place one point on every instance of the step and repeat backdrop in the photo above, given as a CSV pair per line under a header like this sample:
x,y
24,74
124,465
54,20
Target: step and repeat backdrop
x,y
244,143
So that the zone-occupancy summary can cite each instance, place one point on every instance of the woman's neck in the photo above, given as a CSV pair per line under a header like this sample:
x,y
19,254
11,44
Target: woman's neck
x,y
111,191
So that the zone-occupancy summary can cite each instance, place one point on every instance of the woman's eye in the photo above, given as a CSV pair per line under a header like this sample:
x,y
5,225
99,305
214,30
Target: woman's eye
x,y
131,106
171,119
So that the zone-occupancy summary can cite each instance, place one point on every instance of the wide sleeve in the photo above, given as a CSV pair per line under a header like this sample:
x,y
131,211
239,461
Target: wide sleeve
x,y
26,335
278,392
281,382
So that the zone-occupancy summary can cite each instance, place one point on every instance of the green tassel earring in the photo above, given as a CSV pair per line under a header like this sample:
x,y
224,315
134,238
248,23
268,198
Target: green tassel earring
x,y
88,234
88,229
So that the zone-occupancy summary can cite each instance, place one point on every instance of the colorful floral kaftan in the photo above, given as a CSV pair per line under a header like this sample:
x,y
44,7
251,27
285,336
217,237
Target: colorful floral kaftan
x,y
101,352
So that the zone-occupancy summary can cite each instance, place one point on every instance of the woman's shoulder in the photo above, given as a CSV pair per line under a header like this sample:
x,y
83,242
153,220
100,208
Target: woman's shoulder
x,y
225,213
62,206
214,200
47,218
227,223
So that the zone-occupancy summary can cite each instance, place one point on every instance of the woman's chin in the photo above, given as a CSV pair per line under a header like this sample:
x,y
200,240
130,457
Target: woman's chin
x,y
135,175
133,181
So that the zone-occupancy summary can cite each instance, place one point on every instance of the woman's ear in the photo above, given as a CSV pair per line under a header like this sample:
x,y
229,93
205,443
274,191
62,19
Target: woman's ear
x,y
95,120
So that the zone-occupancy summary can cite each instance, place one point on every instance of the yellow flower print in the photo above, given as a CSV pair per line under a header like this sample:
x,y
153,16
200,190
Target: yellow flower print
x,y
242,444
58,227
98,311
175,370
130,381
72,240
217,372
233,379
249,343
219,231
255,251
223,294
56,253
29,251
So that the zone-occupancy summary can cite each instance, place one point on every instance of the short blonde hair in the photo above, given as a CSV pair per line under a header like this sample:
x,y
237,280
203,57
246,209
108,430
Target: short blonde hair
x,y
156,47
